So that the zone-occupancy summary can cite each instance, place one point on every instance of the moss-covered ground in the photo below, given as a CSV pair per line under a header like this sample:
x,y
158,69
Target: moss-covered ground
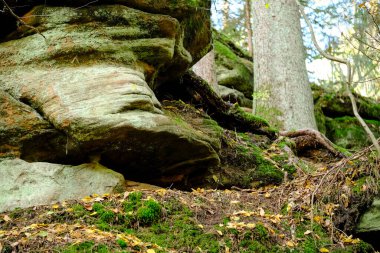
x,y
266,219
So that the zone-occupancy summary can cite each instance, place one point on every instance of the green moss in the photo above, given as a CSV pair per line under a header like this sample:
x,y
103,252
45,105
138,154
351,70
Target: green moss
x,y
261,232
79,210
121,243
135,197
149,213
359,184
87,247
320,119
222,49
348,133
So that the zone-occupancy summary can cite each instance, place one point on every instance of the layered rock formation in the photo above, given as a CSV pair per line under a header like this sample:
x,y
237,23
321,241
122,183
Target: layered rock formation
x,y
79,87
234,71
336,119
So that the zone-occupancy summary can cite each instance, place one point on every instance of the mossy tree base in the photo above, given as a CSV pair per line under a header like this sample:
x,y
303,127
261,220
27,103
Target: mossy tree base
x,y
227,115
311,139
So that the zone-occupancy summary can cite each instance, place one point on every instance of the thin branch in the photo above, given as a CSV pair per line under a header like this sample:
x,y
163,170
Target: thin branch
x,y
374,20
347,84
368,80
20,19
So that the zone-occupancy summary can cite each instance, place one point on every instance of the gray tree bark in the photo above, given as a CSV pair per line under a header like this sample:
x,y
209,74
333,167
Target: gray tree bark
x,y
248,25
282,93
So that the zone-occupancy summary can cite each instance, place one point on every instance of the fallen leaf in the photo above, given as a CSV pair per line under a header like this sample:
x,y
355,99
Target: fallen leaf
x,y
150,251
323,250
87,199
267,195
6,218
234,202
235,218
262,212
290,244
318,219
200,226
55,206
42,234
307,232
219,232
251,225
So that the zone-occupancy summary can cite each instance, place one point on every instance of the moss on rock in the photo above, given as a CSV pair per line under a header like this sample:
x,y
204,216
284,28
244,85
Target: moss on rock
x,y
348,133
233,70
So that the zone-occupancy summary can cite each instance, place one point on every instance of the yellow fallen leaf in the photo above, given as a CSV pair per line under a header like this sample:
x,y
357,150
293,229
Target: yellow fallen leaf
x,y
69,210
200,225
227,250
290,244
318,219
267,195
87,199
251,225
219,232
94,213
55,206
234,202
323,250
150,251
161,192
235,218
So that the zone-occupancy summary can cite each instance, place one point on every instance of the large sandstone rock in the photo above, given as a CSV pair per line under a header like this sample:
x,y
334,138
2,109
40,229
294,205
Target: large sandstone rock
x,y
234,67
29,184
368,228
335,118
82,89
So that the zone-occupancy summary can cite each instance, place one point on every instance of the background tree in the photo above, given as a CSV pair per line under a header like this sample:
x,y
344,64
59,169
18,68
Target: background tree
x,y
281,93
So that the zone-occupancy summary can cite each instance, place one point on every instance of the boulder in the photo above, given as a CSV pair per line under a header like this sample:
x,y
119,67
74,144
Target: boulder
x,y
82,83
26,184
348,133
234,96
368,228
234,67
335,117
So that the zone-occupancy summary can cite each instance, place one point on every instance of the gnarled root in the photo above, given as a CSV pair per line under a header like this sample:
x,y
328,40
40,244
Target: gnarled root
x,y
311,139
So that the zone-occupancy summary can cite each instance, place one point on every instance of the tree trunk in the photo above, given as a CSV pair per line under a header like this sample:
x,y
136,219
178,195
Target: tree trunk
x,y
248,26
206,69
282,91
226,13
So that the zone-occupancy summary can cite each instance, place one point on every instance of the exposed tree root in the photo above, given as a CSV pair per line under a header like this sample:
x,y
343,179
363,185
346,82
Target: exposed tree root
x,y
227,115
311,139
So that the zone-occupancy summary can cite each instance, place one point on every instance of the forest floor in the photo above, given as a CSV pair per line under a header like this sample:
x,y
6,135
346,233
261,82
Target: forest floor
x,y
299,215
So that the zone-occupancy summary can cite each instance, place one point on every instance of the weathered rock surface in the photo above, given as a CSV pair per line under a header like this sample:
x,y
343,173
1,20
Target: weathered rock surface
x,y
234,96
29,184
234,70
368,227
336,120
82,88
